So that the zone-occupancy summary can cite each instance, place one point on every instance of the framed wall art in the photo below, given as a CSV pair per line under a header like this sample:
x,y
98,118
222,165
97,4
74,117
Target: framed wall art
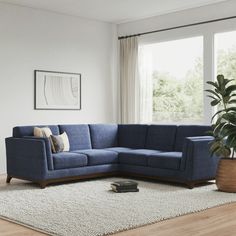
x,y
57,90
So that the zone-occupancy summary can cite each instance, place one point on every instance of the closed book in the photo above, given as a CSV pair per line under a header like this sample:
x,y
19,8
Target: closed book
x,y
125,183
123,187
124,190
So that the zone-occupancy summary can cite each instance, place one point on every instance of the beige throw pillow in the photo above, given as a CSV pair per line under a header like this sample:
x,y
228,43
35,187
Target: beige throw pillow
x,y
65,140
43,132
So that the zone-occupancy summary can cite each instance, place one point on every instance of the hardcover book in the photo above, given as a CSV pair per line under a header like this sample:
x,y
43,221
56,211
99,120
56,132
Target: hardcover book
x,y
124,186
125,183
121,190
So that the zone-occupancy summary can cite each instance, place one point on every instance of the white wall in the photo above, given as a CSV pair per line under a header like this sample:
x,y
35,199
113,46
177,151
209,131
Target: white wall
x,y
218,10
34,39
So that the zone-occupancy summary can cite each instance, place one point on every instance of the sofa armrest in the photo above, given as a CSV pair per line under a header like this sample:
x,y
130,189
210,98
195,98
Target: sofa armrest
x,y
48,150
197,161
26,158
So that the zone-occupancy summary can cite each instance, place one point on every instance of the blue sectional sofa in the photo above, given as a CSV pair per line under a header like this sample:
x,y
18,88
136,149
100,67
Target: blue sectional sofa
x,y
166,152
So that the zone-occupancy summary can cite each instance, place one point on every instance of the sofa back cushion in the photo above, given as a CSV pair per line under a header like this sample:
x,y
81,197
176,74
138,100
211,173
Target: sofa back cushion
x,y
78,135
132,136
161,137
184,131
20,131
103,135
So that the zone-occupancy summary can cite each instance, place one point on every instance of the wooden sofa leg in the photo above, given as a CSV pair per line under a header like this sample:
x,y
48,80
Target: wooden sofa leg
x,y
8,180
43,184
190,185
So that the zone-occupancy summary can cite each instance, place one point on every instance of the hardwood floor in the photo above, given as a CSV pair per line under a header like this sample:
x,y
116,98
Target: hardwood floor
x,y
218,221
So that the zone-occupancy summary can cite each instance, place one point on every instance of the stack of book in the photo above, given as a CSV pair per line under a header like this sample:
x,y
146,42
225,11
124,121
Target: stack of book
x,y
124,186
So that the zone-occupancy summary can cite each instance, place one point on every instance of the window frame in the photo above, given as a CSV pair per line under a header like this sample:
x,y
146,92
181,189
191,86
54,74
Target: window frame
x,y
207,31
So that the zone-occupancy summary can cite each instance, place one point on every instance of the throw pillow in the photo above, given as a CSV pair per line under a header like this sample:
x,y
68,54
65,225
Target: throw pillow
x,y
57,143
43,132
66,142
60,143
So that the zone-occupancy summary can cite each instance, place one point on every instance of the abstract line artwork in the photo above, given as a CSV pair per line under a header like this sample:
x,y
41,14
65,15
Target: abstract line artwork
x,y
57,90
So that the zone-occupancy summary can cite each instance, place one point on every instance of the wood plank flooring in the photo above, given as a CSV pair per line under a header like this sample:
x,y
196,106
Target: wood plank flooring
x,y
218,221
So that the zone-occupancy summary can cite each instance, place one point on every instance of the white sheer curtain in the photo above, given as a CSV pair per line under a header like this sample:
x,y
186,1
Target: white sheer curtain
x,y
146,84
129,81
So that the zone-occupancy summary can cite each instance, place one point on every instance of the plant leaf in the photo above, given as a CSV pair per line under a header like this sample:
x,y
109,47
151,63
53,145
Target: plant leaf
x,y
213,84
230,89
232,101
213,92
215,102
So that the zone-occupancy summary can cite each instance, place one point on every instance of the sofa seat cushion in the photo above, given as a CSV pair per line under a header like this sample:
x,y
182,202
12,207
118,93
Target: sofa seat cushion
x,y
99,156
118,149
165,160
138,157
65,160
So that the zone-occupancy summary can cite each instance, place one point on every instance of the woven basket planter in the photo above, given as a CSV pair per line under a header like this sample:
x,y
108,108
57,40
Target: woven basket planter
x,y
226,175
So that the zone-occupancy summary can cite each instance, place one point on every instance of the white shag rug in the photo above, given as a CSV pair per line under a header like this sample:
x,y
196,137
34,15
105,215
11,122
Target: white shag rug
x,y
89,208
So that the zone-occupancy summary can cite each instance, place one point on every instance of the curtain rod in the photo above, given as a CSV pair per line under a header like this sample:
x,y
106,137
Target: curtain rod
x,y
177,27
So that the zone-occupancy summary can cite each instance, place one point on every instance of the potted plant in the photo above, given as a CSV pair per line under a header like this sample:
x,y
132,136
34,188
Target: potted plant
x,y
223,95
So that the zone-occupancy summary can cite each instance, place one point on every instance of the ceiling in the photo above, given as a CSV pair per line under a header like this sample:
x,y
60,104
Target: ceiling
x,y
113,11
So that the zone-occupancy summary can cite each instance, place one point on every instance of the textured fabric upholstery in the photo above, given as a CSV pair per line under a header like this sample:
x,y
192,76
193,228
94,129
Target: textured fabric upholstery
x,y
118,149
64,160
99,157
132,136
79,136
21,131
135,157
197,160
161,137
48,150
26,158
103,136
83,171
184,131
141,149
166,160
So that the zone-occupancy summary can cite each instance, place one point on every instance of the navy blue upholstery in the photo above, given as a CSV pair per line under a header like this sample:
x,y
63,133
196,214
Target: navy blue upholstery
x,y
21,131
65,160
178,153
79,136
48,150
161,137
184,131
103,136
118,149
26,158
135,157
198,163
99,157
165,160
83,171
132,136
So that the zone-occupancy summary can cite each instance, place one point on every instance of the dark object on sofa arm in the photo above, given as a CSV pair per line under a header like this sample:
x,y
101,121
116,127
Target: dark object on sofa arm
x,y
165,152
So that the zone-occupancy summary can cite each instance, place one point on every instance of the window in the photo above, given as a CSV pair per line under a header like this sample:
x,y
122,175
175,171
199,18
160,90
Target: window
x,y
177,80
225,54
175,66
